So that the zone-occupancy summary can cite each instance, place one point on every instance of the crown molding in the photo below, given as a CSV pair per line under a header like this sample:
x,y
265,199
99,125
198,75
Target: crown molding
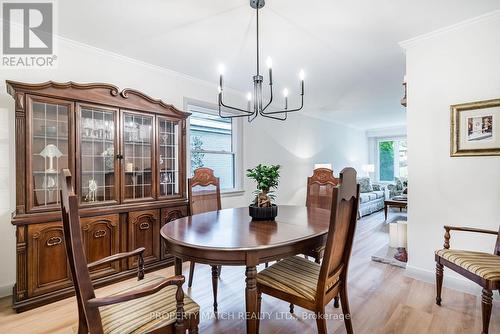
x,y
457,26
150,66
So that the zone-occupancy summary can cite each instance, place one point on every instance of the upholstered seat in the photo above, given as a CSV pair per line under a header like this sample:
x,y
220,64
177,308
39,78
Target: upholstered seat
x,y
484,265
293,275
145,314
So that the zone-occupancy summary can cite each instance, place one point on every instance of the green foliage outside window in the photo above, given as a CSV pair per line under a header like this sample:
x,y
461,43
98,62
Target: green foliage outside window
x,y
386,151
196,156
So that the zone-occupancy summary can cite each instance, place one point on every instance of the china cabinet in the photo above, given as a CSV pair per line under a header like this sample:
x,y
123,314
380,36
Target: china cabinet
x,y
127,153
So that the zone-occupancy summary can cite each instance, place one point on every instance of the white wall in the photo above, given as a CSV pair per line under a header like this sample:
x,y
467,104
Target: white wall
x,y
297,143
455,65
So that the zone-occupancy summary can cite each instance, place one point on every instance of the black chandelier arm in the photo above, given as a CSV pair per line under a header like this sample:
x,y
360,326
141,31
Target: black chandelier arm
x,y
221,103
251,118
286,110
275,117
271,97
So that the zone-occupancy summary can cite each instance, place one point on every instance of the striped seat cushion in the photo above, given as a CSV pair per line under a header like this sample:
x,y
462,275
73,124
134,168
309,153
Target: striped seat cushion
x,y
294,275
484,265
145,314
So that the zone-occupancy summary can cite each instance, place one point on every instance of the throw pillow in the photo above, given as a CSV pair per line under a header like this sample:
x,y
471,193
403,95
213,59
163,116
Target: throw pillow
x,y
365,185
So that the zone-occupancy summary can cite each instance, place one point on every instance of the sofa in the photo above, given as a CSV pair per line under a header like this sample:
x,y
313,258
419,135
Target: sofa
x,y
371,197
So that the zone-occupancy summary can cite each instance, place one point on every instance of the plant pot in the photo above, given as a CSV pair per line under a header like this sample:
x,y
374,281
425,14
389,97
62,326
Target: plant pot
x,y
268,213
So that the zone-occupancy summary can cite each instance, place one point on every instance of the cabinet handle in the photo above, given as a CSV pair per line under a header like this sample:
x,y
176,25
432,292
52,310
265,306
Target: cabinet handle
x,y
53,241
144,226
99,234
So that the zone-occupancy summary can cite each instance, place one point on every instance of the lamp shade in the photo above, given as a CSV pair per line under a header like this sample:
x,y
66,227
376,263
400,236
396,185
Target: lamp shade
x,y
329,166
368,168
51,151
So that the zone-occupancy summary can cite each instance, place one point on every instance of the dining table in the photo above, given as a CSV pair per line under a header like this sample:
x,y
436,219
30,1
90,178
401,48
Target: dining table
x,y
230,237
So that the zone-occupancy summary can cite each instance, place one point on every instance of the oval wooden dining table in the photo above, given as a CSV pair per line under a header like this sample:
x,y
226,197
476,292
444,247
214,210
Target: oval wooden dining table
x,y
231,237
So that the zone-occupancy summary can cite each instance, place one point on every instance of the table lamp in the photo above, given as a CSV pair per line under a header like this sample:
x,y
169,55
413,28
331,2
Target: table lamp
x,y
51,151
368,169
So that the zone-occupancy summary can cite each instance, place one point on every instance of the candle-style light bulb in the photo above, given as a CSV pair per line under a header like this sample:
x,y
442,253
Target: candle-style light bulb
x,y
219,89
221,69
285,94
269,62
249,96
302,75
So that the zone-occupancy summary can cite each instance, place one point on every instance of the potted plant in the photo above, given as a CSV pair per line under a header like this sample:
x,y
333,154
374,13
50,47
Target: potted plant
x,y
267,178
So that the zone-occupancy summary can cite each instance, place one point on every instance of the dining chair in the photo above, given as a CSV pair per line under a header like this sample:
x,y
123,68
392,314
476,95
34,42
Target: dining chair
x,y
204,196
151,305
312,285
319,195
479,267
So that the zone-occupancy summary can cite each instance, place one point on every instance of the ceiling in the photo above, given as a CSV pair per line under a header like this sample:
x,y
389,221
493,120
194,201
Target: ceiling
x,y
349,49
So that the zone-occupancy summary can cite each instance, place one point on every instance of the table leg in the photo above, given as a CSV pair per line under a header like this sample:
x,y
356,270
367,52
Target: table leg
x,y
385,211
178,266
251,299
215,281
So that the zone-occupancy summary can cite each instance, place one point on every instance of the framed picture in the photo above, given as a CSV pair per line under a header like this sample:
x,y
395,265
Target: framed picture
x,y
475,128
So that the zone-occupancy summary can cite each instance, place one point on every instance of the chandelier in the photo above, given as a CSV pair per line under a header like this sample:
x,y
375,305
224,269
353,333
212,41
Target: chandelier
x,y
255,104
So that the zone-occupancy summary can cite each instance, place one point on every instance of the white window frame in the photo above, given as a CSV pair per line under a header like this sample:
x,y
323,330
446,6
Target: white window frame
x,y
396,156
237,143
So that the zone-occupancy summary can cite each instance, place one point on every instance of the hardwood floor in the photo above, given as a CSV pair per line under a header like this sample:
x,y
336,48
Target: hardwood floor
x,y
382,298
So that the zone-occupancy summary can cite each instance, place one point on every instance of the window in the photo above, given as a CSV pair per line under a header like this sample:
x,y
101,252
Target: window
x,y
392,159
213,143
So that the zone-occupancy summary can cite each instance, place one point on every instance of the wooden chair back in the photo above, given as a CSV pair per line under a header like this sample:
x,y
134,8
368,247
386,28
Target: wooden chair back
x,y
76,256
320,188
497,246
338,248
203,191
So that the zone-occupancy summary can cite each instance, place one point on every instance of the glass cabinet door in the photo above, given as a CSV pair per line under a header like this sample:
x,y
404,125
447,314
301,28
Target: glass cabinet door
x,y
98,164
49,147
138,150
168,160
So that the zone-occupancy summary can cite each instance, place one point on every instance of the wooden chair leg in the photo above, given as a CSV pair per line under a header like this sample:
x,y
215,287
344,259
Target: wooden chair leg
x,y
220,270
336,302
486,305
439,282
193,330
259,306
215,281
191,274
346,310
321,321
291,308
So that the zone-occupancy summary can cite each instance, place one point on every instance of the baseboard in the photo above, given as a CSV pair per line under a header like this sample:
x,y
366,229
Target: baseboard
x,y
449,282
6,290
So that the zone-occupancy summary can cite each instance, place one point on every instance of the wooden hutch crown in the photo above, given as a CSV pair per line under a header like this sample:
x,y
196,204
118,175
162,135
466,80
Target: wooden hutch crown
x,y
127,153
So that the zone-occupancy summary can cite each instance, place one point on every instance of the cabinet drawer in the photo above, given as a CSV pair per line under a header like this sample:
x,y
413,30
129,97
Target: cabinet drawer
x,y
144,231
48,268
167,215
101,238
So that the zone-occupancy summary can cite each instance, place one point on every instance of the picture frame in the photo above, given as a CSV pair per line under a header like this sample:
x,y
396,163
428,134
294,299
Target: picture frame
x,y
475,129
